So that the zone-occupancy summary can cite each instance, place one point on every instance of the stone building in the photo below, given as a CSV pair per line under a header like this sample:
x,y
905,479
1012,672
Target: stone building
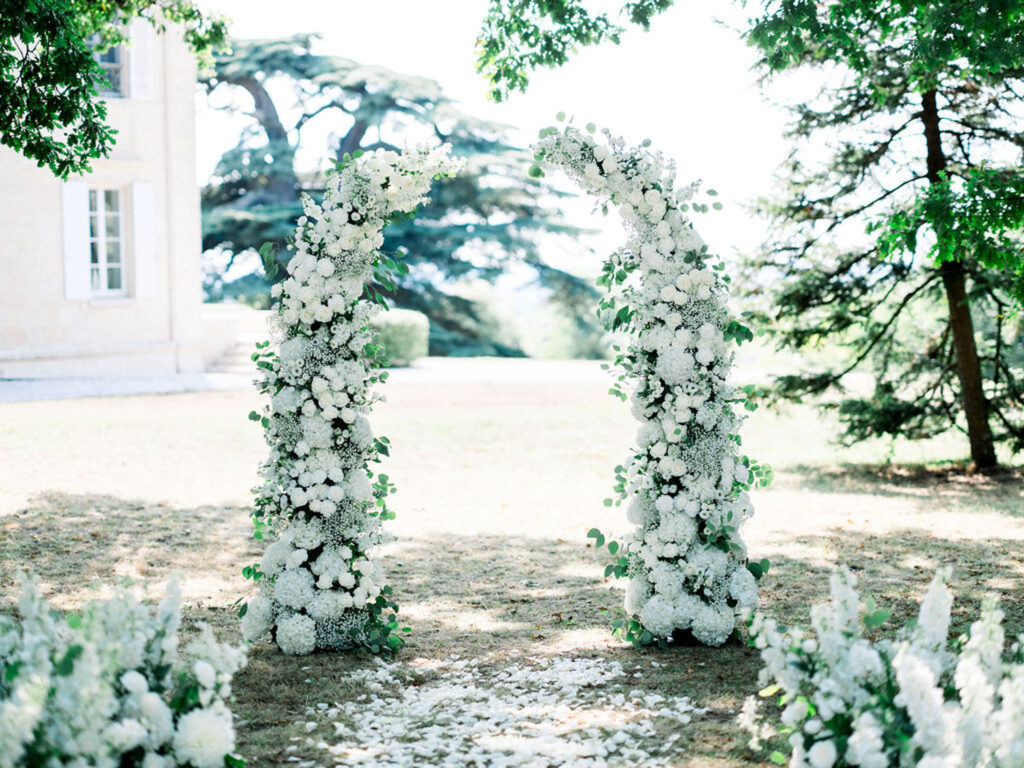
x,y
101,273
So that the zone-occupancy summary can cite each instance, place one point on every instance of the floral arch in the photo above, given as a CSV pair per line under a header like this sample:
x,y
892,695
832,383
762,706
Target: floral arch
x,y
685,484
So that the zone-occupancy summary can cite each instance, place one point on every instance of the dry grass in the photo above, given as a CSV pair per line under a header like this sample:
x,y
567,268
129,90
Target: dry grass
x,y
501,467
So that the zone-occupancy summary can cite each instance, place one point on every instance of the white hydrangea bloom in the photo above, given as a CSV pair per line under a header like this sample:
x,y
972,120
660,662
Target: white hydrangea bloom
x,y
296,634
258,619
203,737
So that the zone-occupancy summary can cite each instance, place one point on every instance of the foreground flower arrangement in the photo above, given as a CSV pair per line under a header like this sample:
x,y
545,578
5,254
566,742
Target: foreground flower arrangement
x,y
918,700
107,688
686,486
319,588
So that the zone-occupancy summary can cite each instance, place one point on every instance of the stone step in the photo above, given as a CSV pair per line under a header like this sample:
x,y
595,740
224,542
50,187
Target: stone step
x,y
237,358
242,370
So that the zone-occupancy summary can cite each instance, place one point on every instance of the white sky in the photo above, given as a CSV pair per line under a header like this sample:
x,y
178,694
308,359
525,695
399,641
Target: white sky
x,y
687,85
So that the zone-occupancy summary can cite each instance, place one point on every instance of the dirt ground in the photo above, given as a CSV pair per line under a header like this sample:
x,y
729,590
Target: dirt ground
x,y
502,467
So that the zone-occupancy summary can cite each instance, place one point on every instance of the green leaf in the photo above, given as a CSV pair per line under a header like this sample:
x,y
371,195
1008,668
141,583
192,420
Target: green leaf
x,y
771,690
66,665
597,536
877,618
11,670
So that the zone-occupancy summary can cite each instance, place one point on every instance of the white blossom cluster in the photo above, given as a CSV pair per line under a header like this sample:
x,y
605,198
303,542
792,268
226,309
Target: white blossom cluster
x,y
686,485
535,713
319,589
916,700
108,689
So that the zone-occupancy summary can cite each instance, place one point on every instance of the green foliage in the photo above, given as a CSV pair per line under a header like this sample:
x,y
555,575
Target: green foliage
x,y
476,226
759,568
403,335
558,333
518,36
900,206
48,85
49,108
980,212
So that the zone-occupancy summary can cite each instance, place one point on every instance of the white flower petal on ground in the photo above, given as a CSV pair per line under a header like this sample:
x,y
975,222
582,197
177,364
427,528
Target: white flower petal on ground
x,y
540,712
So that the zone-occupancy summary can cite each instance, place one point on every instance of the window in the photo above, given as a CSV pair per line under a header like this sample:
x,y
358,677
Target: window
x,y
111,61
106,242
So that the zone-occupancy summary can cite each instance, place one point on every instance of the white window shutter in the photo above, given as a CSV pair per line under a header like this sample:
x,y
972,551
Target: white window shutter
x,y
144,257
140,59
74,199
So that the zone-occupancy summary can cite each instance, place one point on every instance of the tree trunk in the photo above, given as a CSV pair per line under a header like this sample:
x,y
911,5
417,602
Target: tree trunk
x,y
972,394
282,184
350,141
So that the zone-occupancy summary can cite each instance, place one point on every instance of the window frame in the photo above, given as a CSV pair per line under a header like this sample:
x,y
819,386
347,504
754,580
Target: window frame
x,y
100,239
120,67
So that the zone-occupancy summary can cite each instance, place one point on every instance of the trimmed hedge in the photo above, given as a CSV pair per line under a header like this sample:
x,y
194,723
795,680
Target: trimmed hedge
x,y
403,333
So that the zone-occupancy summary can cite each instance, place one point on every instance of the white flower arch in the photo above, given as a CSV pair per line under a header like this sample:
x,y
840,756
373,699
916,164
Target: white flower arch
x,y
319,588
686,485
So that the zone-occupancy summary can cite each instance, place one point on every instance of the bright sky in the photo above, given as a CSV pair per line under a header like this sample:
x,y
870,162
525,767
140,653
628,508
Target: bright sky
x,y
686,85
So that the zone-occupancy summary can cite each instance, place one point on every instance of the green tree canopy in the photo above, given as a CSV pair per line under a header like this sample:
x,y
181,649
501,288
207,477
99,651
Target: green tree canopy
x,y
898,224
49,80
491,216
919,128
518,36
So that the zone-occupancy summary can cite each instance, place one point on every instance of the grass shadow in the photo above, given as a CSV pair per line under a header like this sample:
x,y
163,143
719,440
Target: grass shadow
x,y
1002,491
496,598
895,568
502,599
80,545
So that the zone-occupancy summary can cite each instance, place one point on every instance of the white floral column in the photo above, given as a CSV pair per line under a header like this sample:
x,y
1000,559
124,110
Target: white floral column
x,y
319,588
686,485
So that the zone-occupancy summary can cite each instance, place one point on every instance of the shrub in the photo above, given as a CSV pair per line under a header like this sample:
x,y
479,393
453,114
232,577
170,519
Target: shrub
x,y
403,333
107,688
915,700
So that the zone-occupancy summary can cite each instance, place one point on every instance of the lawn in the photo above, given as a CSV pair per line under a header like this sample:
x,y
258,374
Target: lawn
x,y
502,467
